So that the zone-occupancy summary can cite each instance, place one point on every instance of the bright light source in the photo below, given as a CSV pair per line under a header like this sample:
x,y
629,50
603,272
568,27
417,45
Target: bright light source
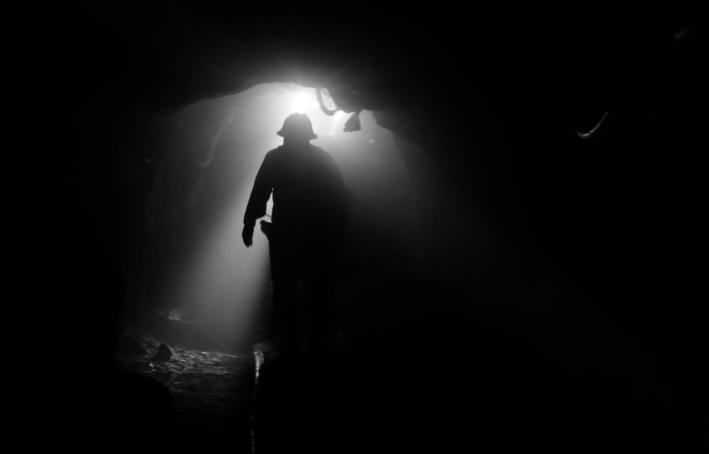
x,y
337,122
303,102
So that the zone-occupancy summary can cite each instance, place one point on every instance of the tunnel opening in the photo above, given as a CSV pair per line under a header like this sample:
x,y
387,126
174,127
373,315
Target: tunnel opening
x,y
193,283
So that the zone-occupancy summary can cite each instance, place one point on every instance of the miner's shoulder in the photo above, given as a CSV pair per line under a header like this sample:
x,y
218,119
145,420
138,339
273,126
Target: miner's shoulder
x,y
273,152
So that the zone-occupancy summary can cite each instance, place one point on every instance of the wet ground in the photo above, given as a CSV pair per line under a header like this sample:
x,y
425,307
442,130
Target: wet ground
x,y
215,404
211,391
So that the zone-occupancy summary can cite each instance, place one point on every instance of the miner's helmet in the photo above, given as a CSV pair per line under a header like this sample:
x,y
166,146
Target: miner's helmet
x,y
297,125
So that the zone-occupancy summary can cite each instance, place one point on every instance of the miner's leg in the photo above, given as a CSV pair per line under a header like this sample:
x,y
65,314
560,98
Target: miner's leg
x,y
283,313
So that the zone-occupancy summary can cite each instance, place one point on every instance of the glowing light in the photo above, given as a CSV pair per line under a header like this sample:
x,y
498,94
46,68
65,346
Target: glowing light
x,y
337,122
303,102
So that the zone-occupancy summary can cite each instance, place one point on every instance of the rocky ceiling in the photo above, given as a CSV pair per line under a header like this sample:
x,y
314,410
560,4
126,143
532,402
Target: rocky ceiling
x,y
425,63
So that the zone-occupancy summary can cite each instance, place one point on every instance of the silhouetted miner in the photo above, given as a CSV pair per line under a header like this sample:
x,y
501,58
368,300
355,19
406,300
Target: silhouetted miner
x,y
310,210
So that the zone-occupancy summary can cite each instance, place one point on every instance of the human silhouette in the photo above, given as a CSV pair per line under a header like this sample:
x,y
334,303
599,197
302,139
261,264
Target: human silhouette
x,y
310,211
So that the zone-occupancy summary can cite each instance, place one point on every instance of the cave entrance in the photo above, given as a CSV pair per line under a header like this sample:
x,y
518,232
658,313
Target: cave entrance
x,y
207,287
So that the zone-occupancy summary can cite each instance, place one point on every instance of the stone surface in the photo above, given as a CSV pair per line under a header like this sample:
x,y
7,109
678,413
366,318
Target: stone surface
x,y
210,390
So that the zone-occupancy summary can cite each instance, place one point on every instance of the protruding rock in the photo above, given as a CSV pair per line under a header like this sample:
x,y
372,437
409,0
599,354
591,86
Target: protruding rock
x,y
164,353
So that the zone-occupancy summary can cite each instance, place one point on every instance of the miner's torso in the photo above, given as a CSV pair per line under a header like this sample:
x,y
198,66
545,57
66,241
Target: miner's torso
x,y
302,179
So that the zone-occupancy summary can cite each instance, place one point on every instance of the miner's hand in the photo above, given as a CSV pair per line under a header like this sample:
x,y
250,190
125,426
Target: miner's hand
x,y
248,234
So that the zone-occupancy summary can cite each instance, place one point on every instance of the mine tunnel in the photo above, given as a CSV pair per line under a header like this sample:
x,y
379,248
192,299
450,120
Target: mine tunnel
x,y
525,266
